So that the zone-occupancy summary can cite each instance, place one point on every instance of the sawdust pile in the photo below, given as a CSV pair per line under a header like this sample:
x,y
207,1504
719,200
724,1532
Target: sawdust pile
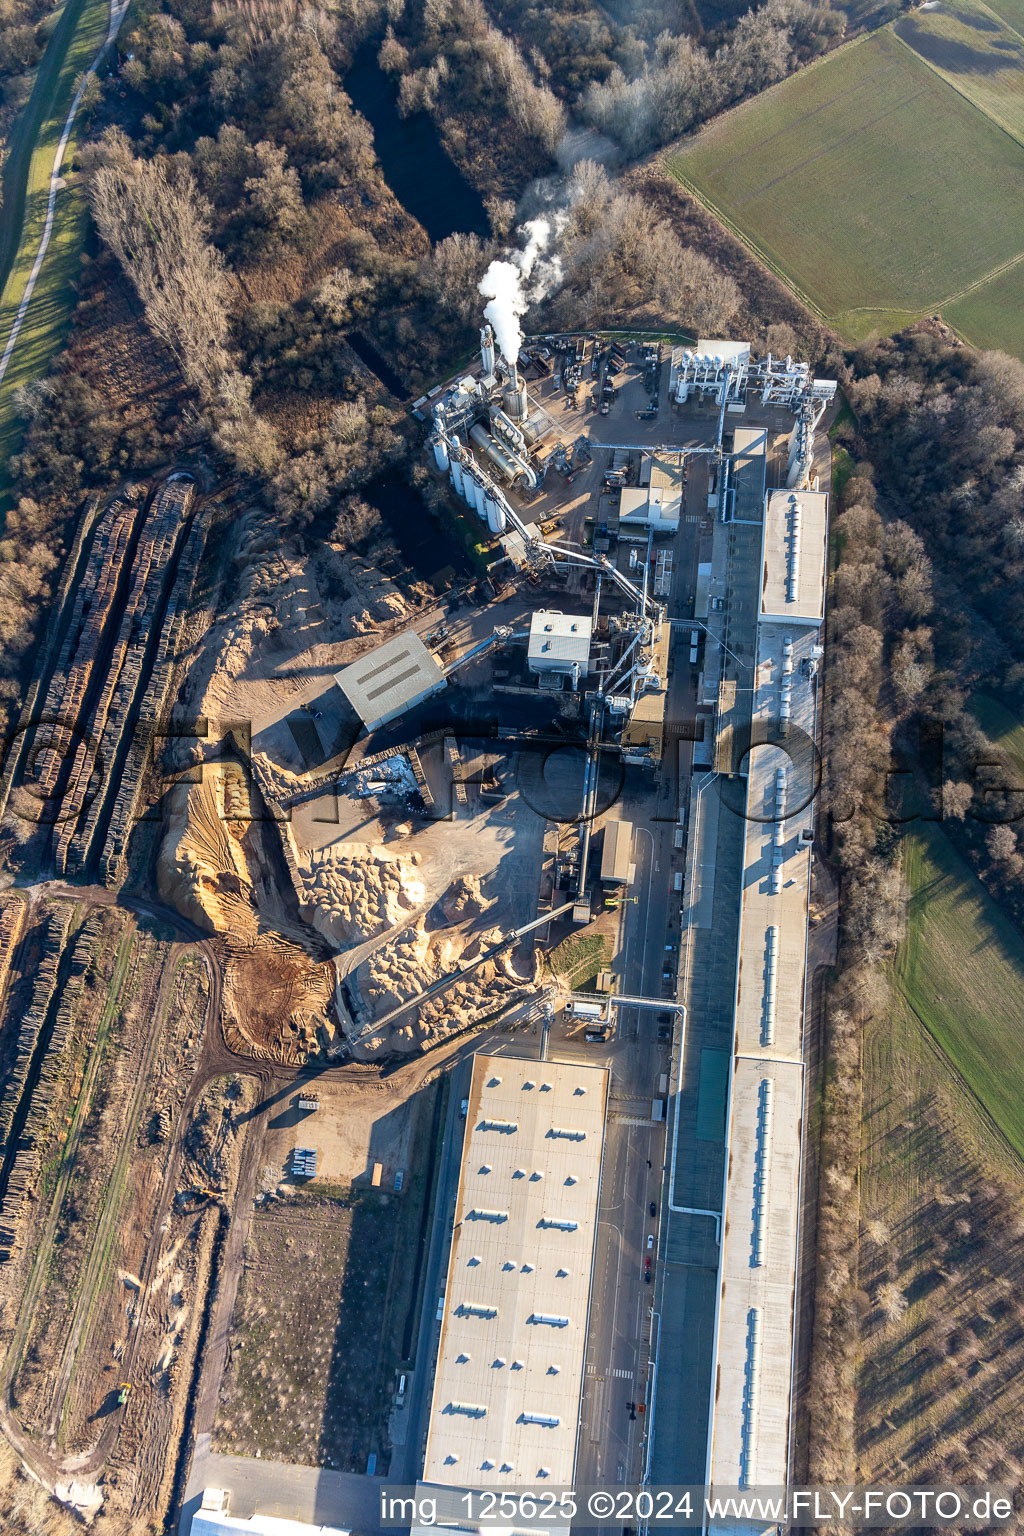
x,y
353,892
276,998
416,958
375,599
285,605
202,869
464,899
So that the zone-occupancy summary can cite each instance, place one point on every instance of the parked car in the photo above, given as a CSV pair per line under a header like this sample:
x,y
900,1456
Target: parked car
x,y
654,1208
650,1241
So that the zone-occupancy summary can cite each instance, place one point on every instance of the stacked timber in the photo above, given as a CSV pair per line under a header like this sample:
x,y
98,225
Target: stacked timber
x,y
151,719
109,717
55,930
47,658
12,918
34,1129
21,1182
94,602
25,1163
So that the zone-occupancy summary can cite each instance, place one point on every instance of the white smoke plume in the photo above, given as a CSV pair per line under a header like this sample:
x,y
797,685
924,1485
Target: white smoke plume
x,y
513,285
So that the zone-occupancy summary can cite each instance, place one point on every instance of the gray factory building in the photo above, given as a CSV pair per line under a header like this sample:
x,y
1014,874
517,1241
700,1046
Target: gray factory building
x,y
390,680
559,643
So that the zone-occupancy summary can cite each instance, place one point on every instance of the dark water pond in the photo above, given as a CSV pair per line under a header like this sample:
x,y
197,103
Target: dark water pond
x,y
367,353
425,544
416,166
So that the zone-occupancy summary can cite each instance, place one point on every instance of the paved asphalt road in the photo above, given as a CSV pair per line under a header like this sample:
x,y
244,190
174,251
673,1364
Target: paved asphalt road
x,y
619,1347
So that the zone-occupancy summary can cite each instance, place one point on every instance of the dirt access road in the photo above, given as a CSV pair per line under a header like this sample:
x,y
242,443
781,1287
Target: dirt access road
x,y
216,1060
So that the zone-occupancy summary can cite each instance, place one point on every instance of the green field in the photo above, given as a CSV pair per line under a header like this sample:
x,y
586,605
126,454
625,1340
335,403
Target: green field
x,y
1000,726
977,53
992,315
960,968
35,137
1010,11
872,186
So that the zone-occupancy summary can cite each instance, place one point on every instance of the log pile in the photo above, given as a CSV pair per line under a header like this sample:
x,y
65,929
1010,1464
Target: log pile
x,y
24,1166
101,740
145,743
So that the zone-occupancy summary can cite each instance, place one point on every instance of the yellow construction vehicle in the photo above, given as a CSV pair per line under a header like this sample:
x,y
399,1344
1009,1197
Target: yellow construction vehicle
x,y
123,1390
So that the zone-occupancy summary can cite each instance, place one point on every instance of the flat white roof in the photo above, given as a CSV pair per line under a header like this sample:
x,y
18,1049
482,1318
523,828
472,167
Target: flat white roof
x,y
650,507
559,637
209,1523
505,1407
794,556
750,1430
728,351
391,678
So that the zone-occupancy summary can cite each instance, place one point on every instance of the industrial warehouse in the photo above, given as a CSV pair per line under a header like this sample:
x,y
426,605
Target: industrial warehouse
x,y
609,1288
505,1404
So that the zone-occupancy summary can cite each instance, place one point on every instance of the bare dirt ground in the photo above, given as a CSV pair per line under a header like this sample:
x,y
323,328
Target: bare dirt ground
x,y
353,1128
941,1379
319,1320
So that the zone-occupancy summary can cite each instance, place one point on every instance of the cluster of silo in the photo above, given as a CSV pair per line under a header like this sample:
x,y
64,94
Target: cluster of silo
x,y
708,373
476,488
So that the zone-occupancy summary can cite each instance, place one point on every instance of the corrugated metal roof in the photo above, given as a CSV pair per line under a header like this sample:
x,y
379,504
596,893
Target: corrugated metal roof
x,y
618,843
510,1360
396,675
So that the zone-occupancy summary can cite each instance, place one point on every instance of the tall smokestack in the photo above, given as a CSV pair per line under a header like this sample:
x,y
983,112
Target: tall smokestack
x,y
487,350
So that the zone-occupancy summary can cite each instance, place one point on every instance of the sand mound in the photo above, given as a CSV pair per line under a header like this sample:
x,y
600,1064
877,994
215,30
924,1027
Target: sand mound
x,y
201,869
464,900
352,892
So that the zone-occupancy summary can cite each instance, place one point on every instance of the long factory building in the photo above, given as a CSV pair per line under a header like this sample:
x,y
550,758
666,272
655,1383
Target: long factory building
x,y
749,1443
506,1398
